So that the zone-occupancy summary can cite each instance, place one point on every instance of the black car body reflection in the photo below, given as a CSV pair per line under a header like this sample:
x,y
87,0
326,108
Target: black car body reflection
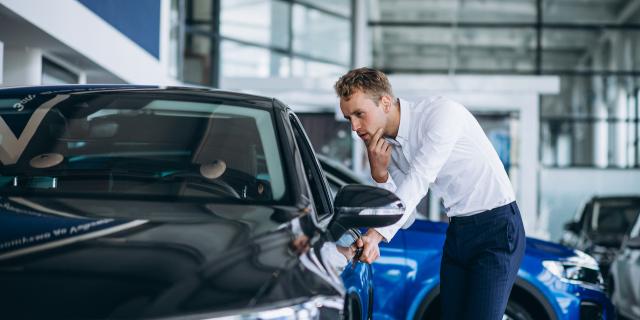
x,y
144,202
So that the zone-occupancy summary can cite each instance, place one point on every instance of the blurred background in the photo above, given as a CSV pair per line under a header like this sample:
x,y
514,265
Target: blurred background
x,y
554,83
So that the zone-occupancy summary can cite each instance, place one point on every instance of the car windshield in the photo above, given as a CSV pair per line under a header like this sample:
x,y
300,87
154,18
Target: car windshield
x,y
139,144
614,216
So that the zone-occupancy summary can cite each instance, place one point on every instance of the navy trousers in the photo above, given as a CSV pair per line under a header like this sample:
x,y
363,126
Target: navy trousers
x,y
480,260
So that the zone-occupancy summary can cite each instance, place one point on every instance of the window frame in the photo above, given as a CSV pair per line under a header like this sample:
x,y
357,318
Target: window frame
x,y
216,37
318,184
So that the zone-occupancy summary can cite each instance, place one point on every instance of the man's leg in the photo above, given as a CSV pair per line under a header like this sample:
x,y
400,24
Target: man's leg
x,y
494,268
452,279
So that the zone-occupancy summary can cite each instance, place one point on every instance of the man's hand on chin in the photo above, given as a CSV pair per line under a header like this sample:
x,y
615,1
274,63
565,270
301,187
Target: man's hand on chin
x,y
370,242
379,154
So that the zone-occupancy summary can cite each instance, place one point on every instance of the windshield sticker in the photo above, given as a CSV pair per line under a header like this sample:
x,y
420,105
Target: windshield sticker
x,y
22,233
11,147
19,106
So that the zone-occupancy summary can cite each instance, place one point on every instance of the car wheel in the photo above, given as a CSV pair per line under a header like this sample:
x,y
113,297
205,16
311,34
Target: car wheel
x,y
351,311
609,286
515,311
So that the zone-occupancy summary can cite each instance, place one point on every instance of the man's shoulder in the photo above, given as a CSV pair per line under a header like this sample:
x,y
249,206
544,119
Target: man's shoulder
x,y
437,104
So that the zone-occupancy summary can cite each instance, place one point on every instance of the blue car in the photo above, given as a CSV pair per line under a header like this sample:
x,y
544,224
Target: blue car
x,y
554,281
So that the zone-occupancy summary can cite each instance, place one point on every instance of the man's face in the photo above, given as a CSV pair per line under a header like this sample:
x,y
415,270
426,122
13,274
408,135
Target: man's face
x,y
365,116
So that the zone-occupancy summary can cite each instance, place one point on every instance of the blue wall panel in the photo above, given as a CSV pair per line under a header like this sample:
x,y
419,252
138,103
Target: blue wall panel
x,y
139,20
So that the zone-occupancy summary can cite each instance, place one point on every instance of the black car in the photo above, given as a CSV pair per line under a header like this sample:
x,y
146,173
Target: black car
x,y
600,226
145,202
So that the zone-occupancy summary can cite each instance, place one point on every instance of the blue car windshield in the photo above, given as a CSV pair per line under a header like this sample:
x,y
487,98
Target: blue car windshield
x,y
139,145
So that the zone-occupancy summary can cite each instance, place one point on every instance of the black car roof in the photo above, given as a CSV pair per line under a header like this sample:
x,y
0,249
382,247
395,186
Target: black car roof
x,y
617,197
82,88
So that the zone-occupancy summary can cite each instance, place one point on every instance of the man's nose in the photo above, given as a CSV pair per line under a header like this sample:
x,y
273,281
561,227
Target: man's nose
x,y
355,125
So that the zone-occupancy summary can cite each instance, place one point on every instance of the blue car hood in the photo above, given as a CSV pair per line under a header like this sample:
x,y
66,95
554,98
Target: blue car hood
x,y
542,249
546,250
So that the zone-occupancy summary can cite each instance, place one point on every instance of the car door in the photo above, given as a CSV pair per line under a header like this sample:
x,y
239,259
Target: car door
x,y
581,240
631,266
625,272
392,269
357,276
573,229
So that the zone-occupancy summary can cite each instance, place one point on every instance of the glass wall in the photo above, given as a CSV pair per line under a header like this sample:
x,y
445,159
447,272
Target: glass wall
x,y
513,37
265,38
593,122
593,46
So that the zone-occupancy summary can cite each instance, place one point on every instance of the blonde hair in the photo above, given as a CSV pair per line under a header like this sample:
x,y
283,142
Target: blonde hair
x,y
370,81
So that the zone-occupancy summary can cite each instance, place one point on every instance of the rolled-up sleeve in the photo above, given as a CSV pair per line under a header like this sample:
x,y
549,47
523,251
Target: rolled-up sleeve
x,y
389,184
440,133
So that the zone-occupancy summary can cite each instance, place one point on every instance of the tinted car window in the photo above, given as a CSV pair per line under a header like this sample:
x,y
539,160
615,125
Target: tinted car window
x,y
614,216
635,232
103,144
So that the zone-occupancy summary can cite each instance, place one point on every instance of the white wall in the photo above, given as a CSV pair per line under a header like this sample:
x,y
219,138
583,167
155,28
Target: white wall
x,y
83,31
562,191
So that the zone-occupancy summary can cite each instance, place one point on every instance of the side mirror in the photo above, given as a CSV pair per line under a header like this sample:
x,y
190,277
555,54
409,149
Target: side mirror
x,y
634,243
572,226
360,206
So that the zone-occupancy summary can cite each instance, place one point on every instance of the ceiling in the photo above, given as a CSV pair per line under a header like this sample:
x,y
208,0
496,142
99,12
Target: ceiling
x,y
501,35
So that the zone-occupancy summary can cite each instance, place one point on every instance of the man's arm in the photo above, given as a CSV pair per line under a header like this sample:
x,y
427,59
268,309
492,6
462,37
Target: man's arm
x,y
439,135
389,184
379,154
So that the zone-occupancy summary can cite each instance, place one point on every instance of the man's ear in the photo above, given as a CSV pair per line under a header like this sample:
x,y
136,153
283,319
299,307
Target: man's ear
x,y
386,103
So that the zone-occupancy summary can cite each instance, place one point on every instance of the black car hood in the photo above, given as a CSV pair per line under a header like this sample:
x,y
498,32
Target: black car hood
x,y
82,258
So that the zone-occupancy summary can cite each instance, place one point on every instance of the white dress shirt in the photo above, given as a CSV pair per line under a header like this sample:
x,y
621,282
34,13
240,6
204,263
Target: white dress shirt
x,y
441,146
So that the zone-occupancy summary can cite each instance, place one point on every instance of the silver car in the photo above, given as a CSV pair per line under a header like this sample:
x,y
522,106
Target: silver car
x,y
624,278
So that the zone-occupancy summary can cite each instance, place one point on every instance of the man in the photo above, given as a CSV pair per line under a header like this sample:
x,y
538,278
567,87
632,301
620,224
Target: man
x,y
437,144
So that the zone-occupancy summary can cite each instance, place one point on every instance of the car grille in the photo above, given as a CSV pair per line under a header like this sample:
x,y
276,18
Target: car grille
x,y
590,311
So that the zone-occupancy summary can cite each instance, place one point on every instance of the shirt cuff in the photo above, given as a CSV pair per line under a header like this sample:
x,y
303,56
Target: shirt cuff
x,y
388,185
387,232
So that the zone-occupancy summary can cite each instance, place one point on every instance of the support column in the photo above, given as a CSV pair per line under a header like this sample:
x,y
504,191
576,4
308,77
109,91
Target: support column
x,y
361,47
277,25
23,67
360,57
527,187
600,114
600,133
620,60
1,61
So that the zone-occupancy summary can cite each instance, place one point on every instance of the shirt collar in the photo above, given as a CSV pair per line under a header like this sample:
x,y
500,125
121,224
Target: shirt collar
x,y
403,130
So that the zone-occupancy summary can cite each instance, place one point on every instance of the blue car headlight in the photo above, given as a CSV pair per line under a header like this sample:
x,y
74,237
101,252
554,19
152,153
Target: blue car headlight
x,y
579,269
316,308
